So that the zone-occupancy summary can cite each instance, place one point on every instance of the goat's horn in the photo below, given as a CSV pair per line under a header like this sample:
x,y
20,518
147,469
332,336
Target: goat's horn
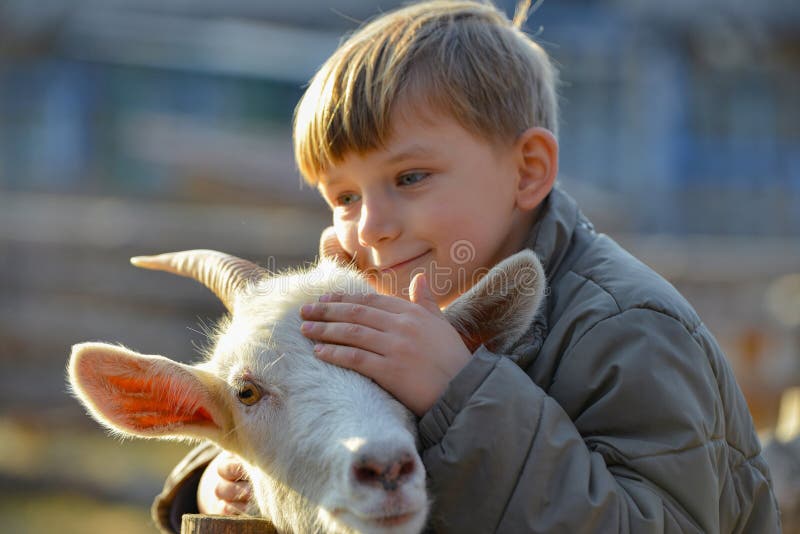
x,y
222,273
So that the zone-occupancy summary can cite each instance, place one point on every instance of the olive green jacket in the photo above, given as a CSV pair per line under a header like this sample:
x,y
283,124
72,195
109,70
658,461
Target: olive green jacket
x,y
616,412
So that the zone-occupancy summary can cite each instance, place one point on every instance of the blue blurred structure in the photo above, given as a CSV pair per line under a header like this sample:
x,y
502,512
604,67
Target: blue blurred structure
x,y
688,111
684,113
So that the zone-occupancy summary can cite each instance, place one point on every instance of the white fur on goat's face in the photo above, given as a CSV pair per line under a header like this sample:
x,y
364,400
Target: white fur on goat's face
x,y
314,434
319,417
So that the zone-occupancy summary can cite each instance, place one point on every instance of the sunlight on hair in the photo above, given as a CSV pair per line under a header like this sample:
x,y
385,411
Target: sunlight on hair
x,y
353,444
523,11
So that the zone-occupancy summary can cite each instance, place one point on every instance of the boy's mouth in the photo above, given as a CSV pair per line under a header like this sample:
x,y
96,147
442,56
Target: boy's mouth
x,y
400,264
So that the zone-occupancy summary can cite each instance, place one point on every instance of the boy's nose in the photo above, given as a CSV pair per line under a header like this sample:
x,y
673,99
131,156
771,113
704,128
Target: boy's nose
x,y
378,222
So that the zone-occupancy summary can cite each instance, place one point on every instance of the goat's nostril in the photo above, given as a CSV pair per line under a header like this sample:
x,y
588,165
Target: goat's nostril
x,y
407,467
367,472
389,475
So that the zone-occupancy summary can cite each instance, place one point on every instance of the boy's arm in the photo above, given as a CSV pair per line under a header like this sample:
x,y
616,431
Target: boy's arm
x,y
179,495
643,448
209,481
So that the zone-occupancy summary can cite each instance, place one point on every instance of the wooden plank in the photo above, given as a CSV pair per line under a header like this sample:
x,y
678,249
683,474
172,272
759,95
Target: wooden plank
x,y
217,524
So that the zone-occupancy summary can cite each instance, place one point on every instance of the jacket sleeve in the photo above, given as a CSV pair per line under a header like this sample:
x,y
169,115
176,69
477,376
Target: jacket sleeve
x,y
635,442
179,495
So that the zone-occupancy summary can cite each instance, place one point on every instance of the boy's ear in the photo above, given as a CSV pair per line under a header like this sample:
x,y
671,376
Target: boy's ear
x,y
537,153
500,308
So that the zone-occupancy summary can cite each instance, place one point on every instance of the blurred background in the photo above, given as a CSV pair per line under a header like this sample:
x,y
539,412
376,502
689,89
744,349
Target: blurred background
x,y
140,126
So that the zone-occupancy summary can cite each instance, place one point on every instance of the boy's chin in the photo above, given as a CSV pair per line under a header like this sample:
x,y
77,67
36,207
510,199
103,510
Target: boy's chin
x,y
403,290
389,284
391,289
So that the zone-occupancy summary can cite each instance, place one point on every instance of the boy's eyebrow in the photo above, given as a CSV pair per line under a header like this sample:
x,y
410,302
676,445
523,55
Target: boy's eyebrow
x,y
326,181
413,151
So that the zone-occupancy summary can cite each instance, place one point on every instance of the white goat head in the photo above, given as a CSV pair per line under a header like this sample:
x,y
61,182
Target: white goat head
x,y
326,449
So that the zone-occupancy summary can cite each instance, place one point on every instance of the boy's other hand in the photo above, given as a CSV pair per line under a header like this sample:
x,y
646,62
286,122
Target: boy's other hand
x,y
408,348
330,247
224,487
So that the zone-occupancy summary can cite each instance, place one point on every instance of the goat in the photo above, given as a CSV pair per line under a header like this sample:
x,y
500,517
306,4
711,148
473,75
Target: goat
x,y
326,449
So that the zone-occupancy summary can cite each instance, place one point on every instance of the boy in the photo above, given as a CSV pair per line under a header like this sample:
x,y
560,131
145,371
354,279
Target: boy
x,y
431,132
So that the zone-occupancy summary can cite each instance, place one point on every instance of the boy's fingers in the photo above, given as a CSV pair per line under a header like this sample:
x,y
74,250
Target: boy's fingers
x,y
231,468
359,360
420,293
234,508
233,492
352,335
373,300
347,313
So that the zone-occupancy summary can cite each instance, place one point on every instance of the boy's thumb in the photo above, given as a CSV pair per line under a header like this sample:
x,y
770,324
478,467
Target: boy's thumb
x,y
420,293
329,246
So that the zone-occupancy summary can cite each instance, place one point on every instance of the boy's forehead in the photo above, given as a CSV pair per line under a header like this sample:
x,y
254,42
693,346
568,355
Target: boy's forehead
x,y
418,135
411,132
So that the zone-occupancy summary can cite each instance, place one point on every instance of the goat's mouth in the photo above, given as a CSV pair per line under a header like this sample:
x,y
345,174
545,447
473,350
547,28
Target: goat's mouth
x,y
407,521
392,520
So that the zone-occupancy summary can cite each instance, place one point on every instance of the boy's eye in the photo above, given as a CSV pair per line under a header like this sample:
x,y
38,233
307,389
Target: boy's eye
x,y
411,178
346,199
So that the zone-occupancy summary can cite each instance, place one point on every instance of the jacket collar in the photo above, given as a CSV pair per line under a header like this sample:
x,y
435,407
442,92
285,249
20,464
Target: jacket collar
x,y
550,238
551,234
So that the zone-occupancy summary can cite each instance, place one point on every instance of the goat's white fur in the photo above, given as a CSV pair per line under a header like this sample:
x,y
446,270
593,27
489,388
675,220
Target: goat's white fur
x,y
299,441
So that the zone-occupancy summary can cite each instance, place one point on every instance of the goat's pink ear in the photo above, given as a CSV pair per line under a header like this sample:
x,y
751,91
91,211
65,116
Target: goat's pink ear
x,y
147,396
500,307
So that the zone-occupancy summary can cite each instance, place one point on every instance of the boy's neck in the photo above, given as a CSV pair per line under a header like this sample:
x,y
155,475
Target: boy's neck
x,y
520,231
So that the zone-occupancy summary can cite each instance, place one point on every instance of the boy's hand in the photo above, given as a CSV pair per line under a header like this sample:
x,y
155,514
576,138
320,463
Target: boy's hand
x,y
408,348
224,487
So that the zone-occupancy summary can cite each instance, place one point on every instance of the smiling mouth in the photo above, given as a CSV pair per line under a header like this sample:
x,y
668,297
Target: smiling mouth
x,y
402,263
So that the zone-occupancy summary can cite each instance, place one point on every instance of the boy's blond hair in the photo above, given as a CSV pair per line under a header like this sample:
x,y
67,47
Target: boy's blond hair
x,y
462,58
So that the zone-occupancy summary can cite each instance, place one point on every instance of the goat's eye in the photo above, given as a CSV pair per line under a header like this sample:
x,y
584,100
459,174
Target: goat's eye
x,y
249,393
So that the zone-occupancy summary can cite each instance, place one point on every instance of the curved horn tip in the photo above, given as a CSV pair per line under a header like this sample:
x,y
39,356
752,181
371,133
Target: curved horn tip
x,y
143,261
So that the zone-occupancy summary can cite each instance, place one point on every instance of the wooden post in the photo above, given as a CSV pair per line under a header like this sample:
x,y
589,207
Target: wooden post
x,y
218,524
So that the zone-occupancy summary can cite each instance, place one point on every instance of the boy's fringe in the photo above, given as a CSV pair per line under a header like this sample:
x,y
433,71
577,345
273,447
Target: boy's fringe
x,y
455,56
